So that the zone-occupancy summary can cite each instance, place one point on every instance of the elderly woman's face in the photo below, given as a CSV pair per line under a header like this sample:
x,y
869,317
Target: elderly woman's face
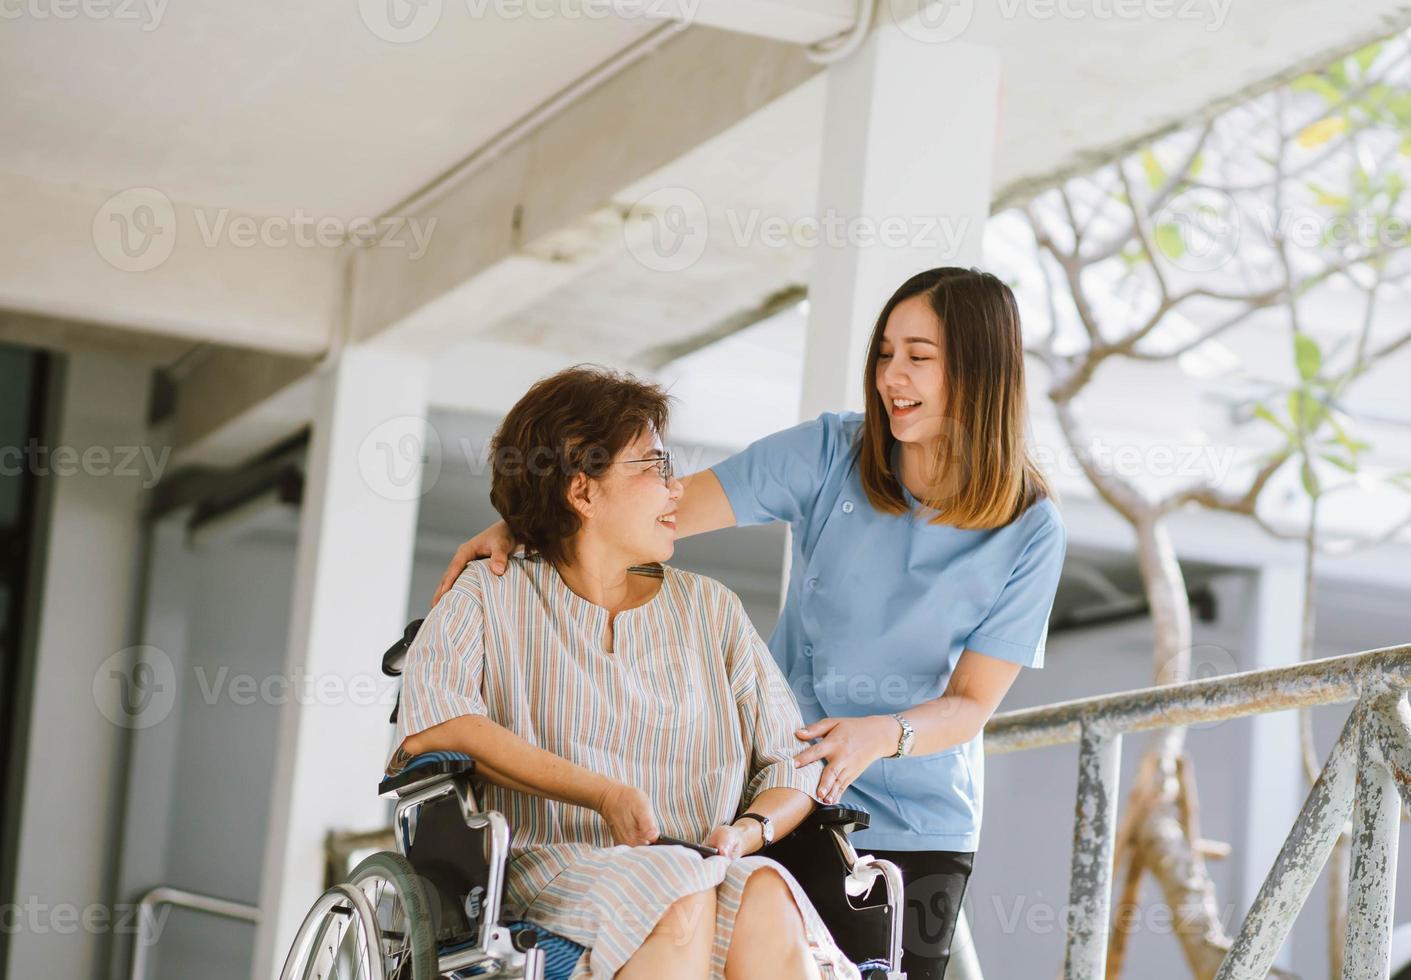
x,y
633,508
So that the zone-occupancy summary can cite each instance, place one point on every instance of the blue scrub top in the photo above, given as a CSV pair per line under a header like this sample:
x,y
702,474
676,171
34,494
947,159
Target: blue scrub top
x,y
880,608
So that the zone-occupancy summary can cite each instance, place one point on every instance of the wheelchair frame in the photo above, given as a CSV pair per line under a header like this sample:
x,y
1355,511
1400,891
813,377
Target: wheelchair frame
x,y
461,843
481,939
491,940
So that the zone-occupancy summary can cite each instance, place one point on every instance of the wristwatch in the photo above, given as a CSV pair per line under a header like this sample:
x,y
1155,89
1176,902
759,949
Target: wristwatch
x,y
908,736
765,824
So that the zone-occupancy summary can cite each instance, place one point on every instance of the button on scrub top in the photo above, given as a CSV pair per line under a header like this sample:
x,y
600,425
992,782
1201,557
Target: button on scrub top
x,y
881,606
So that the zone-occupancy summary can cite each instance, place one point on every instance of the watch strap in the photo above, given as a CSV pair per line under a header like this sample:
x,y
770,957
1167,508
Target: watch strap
x,y
907,738
766,826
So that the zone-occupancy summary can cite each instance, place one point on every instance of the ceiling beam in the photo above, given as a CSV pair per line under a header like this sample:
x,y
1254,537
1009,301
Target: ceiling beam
x,y
650,113
533,215
794,21
136,260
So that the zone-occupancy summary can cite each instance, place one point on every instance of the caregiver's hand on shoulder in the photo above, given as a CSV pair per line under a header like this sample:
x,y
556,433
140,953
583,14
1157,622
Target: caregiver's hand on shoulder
x,y
850,745
628,813
495,543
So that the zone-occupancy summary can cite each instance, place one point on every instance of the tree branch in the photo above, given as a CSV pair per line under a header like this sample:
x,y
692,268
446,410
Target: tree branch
x,y
1208,496
1178,177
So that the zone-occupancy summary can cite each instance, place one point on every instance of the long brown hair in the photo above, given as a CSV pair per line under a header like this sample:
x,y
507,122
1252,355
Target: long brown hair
x,y
988,476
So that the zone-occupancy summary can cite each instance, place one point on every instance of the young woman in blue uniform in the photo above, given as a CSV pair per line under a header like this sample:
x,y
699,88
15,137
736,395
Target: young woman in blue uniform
x,y
926,553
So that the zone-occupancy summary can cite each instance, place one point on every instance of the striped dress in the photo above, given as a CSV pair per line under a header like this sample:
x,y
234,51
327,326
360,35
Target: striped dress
x,y
689,707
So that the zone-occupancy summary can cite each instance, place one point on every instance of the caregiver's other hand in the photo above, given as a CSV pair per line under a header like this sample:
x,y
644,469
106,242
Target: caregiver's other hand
x,y
850,745
730,841
629,815
495,543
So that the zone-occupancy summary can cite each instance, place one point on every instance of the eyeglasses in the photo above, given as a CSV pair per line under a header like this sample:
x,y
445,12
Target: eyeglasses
x,y
666,465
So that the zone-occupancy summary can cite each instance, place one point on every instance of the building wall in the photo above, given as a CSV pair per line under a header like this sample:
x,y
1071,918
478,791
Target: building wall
x,y
226,745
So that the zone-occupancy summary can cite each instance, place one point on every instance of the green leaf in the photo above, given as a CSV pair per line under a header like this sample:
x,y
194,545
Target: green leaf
x,y
1310,480
1306,411
1155,173
1170,242
1377,97
1318,85
1395,185
1260,412
1343,439
1307,356
1367,55
1197,164
1319,132
1327,198
1340,463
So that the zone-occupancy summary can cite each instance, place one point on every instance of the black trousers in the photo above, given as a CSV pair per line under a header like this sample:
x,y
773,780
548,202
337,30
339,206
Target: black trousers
x,y
935,886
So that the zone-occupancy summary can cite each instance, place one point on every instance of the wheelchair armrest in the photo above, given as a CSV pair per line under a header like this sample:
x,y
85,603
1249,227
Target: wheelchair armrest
x,y
848,818
423,769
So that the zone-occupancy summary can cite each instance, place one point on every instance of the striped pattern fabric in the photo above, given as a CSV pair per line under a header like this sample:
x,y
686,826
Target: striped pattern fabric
x,y
689,707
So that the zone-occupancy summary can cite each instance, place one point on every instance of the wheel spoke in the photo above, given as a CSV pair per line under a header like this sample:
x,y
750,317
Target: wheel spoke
x,y
338,943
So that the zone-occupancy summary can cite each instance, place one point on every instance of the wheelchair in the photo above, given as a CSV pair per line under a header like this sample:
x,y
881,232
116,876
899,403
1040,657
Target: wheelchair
x,y
433,907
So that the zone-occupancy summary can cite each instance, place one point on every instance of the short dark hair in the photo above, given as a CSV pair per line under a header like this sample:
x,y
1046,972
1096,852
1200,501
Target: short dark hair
x,y
575,421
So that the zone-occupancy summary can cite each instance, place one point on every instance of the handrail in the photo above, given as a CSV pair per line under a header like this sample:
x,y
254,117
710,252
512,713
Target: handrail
x,y
1325,681
1366,778
166,895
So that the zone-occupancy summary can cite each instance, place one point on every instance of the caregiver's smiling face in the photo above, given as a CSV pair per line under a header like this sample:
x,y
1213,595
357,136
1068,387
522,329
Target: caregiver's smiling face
x,y
910,375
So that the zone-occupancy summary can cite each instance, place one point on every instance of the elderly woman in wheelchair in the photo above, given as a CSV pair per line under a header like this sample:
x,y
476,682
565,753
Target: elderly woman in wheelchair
x,y
596,702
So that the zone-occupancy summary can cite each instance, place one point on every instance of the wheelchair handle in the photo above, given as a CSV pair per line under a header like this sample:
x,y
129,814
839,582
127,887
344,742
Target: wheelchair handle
x,y
396,655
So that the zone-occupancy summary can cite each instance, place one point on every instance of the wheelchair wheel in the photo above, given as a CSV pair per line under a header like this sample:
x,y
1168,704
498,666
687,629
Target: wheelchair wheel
x,y
377,926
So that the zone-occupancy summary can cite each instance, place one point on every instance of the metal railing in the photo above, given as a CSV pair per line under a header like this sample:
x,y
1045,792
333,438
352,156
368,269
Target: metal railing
x,y
163,895
1366,778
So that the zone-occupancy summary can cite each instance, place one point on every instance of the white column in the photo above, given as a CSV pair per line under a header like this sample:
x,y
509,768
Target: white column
x,y
908,147
909,133
356,536
95,470
1273,789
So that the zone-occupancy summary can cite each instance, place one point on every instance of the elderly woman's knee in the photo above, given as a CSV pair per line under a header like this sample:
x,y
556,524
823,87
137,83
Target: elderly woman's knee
x,y
688,914
767,897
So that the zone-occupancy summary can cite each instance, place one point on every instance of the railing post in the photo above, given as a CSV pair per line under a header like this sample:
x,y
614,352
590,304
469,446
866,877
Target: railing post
x,y
1376,822
1301,859
1094,835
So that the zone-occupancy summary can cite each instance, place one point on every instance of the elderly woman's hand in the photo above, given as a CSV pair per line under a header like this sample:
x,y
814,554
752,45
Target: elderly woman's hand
x,y
729,840
629,814
850,745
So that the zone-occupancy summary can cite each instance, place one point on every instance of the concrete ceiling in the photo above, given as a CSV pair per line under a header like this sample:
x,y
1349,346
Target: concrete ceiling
x,y
330,109
1076,91
267,107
